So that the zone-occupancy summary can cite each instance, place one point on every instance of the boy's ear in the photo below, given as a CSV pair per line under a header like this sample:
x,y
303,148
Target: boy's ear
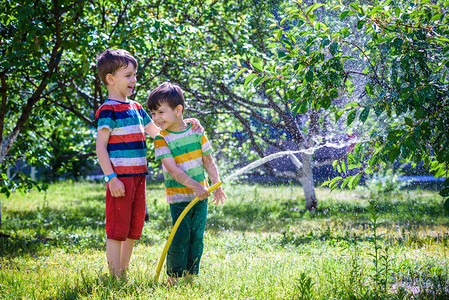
x,y
110,78
179,110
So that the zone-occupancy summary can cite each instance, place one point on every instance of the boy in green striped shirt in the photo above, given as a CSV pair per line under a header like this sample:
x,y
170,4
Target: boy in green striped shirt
x,y
186,157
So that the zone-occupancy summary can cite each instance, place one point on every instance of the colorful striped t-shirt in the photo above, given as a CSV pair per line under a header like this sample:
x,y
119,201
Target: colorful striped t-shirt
x,y
127,146
187,148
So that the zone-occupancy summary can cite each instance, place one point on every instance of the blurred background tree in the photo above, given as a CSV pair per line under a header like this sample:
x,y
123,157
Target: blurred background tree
x,y
401,50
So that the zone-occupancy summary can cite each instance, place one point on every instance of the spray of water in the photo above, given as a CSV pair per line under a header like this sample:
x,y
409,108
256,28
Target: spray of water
x,y
249,167
268,158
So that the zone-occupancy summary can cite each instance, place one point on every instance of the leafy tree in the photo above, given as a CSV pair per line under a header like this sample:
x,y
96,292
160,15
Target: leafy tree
x,y
34,35
402,54
48,78
49,88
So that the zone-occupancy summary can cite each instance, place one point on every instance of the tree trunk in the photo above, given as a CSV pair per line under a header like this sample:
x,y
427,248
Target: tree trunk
x,y
307,183
6,143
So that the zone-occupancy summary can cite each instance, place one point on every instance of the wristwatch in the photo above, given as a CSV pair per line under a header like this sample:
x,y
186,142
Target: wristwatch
x,y
107,178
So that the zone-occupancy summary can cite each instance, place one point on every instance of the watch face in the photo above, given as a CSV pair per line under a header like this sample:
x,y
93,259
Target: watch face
x,y
108,178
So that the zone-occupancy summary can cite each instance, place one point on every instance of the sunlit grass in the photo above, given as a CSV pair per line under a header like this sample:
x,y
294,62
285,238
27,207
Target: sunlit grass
x,y
262,244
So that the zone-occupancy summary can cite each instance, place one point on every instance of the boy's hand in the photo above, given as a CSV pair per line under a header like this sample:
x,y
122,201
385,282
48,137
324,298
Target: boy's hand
x,y
196,126
116,187
201,192
219,196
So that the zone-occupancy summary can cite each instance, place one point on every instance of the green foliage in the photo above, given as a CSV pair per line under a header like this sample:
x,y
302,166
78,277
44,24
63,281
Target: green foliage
x,y
380,254
300,43
304,286
385,181
40,39
402,57
409,80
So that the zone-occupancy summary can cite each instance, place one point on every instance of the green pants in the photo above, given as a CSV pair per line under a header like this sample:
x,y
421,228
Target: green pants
x,y
185,251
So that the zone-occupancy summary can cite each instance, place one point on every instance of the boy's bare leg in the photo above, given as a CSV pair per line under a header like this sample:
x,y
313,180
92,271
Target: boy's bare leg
x,y
113,249
126,251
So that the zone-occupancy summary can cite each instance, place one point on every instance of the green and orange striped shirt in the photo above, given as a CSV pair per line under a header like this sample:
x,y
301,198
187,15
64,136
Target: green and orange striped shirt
x,y
187,148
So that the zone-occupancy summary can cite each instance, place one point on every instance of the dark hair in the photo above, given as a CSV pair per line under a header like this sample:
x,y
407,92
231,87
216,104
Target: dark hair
x,y
111,60
166,93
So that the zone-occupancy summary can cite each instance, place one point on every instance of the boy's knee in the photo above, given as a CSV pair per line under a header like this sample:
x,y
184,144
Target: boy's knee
x,y
182,240
197,236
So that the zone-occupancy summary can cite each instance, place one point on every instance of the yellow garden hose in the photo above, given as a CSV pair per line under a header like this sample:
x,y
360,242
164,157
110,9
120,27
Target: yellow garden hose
x,y
175,227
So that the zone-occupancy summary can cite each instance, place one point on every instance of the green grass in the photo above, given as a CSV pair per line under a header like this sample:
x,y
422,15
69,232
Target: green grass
x,y
262,244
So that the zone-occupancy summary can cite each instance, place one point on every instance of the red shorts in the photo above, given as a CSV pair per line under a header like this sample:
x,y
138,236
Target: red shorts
x,y
125,216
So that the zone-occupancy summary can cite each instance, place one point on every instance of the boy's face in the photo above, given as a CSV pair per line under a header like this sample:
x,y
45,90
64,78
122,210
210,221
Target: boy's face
x,y
166,117
123,81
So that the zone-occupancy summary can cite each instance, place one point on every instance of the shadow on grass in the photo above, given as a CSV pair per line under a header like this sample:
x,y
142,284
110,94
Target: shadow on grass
x,y
32,232
335,238
102,286
274,216
406,210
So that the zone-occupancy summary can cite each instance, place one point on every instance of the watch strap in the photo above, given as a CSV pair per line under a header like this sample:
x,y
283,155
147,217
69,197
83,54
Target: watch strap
x,y
107,178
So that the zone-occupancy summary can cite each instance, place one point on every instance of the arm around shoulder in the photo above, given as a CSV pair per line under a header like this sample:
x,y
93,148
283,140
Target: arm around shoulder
x,y
151,129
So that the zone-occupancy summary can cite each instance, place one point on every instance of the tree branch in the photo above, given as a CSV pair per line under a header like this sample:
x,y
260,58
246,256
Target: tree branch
x,y
81,155
119,19
322,163
291,123
236,113
223,88
363,52
3,106
26,111
89,99
74,111
376,77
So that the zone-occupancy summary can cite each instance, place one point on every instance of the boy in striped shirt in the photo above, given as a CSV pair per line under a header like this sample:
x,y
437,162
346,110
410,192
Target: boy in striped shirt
x,y
185,157
121,150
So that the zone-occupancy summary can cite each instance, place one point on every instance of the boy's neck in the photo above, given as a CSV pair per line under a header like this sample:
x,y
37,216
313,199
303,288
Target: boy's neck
x,y
179,126
119,98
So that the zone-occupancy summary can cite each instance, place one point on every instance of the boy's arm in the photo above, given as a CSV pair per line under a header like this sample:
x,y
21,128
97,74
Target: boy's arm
x,y
115,185
212,171
181,177
151,129
196,125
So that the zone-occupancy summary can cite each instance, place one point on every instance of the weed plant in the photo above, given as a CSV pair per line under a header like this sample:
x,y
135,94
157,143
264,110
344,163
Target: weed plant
x,y
262,244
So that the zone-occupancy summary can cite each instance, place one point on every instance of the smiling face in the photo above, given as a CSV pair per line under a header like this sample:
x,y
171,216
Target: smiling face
x,y
166,117
122,83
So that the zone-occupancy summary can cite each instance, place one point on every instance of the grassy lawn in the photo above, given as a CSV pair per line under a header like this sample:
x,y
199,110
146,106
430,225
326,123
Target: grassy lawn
x,y
261,244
